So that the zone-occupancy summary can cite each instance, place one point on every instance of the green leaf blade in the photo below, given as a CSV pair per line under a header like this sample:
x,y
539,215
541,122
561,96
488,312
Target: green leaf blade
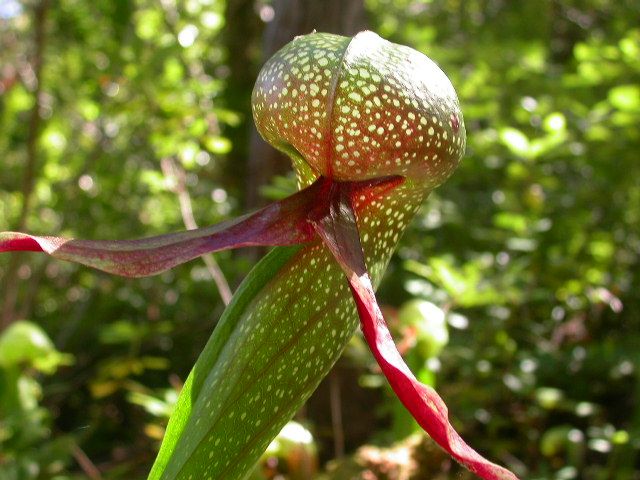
x,y
272,359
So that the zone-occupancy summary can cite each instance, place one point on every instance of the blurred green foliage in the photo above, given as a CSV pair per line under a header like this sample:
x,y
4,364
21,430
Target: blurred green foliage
x,y
535,241
531,250
27,449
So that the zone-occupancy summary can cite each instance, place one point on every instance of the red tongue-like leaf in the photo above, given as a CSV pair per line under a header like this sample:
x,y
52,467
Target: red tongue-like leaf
x,y
338,228
281,223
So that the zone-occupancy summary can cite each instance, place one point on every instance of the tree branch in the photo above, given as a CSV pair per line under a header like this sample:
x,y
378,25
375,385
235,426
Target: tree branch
x,y
174,172
335,401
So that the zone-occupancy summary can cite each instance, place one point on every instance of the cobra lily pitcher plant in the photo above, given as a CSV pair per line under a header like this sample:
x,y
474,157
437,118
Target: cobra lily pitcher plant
x,y
371,128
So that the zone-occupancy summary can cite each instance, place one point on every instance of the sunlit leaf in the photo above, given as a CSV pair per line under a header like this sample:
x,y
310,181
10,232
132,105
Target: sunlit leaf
x,y
516,141
25,343
625,97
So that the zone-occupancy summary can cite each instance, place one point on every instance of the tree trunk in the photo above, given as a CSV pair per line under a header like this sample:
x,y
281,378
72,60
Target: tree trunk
x,y
10,295
242,40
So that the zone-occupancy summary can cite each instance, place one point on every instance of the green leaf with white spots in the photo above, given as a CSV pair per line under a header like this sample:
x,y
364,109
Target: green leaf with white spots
x,y
287,325
173,454
274,347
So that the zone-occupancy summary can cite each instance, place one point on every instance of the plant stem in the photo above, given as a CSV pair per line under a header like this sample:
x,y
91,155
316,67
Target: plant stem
x,y
88,467
336,414
171,170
